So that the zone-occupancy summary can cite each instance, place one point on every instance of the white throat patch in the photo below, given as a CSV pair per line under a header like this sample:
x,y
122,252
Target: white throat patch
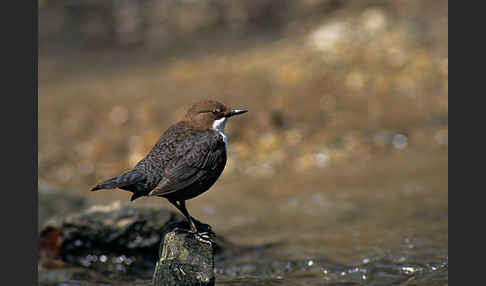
x,y
218,125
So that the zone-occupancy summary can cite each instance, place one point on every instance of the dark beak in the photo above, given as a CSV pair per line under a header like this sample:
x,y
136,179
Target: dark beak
x,y
236,112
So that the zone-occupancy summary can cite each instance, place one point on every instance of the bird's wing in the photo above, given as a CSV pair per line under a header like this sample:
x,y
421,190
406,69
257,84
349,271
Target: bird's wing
x,y
201,153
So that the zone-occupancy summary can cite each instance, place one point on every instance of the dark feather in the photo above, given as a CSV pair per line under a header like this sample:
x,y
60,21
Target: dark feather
x,y
129,178
202,153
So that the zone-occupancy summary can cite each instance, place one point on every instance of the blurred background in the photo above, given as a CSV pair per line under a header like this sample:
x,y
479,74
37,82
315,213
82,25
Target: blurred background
x,y
344,150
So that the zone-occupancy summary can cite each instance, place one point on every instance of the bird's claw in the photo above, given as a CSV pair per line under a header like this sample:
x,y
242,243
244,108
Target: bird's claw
x,y
204,237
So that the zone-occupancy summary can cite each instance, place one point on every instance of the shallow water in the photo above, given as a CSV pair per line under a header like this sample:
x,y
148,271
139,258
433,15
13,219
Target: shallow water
x,y
384,226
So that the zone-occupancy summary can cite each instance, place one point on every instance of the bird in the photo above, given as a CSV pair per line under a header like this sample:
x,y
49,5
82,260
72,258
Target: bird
x,y
185,162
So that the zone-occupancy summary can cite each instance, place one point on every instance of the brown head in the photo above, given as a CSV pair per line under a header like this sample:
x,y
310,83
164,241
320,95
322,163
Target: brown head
x,y
210,114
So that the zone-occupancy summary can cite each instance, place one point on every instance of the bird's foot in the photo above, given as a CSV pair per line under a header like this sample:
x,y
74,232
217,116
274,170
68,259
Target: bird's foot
x,y
204,237
208,230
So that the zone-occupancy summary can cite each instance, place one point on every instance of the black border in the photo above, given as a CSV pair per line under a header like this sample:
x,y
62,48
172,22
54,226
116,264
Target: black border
x,y
35,39
19,31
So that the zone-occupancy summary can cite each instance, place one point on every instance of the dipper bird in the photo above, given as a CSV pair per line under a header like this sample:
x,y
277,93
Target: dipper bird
x,y
185,162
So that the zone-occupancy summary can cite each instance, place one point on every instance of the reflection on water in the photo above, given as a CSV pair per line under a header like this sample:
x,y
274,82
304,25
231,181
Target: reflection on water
x,y
376,271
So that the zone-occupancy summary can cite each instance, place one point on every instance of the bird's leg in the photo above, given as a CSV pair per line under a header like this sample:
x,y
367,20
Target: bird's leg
x,y
201,236
182,208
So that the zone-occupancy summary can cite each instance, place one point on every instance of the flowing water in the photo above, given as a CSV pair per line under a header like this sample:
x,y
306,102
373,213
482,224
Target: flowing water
x,y
383,222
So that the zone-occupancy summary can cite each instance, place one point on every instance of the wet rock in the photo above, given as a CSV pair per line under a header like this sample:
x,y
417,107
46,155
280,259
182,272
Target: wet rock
x,y
115,238
183,260
119,240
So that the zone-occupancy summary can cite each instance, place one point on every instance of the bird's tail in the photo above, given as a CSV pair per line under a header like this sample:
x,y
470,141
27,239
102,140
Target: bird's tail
x,y
126,179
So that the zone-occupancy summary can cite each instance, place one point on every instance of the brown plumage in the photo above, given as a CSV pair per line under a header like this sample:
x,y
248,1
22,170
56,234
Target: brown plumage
x,y
186,160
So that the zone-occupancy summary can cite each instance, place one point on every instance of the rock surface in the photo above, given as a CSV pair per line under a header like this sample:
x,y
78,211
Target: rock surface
x,y
183,260
122,242
115,238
